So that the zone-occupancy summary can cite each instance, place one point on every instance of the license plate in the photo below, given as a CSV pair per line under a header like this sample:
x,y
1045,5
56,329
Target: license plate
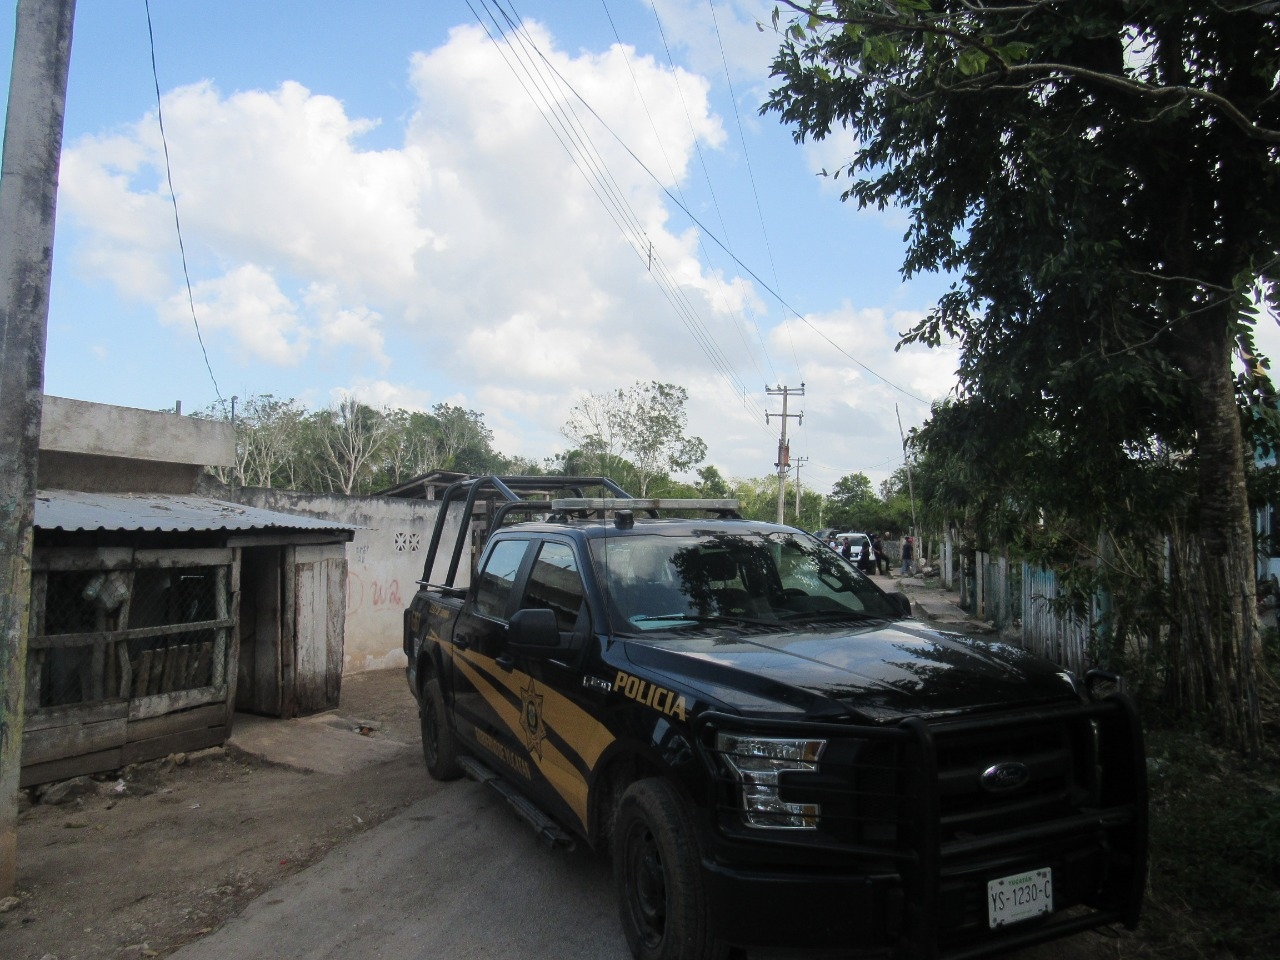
x,y
1019,897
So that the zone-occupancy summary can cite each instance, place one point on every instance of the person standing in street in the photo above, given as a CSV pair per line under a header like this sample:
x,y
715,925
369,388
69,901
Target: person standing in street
x,y
908,553
881,558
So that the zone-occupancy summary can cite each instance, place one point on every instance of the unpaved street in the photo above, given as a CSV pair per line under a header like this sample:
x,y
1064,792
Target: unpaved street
x,y
231,857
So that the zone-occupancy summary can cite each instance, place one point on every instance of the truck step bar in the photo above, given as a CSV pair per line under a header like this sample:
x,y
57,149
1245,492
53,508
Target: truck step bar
x,y
546,828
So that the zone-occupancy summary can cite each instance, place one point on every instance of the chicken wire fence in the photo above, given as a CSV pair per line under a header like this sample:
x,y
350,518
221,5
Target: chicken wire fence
x,y
109,634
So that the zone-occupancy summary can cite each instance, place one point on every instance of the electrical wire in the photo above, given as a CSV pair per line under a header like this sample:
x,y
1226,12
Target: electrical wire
x,y
173,195
697,145
599,169
746,155
536,74
710,233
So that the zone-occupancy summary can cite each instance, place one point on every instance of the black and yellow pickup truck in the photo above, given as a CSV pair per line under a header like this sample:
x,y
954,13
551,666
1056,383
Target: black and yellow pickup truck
x,y
771,750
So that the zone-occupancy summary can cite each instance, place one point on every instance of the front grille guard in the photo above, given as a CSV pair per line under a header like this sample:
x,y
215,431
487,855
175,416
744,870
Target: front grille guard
x,y
923,856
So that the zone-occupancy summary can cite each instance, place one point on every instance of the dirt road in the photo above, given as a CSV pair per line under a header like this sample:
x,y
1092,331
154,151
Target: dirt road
x,y
169,853
166,853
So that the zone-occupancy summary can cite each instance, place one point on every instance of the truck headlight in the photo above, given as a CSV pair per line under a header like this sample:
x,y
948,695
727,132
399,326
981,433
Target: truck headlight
x,y
756,763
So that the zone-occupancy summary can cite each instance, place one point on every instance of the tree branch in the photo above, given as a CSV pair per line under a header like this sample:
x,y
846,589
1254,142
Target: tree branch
x,y
893,21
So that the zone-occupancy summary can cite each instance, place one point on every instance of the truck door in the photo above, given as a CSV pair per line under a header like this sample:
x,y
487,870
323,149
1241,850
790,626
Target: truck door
x,y
483,706
561,734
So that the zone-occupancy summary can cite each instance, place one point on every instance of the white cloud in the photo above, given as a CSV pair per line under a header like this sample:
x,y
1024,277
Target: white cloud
x,y
357,328
473,260
382,394
247,304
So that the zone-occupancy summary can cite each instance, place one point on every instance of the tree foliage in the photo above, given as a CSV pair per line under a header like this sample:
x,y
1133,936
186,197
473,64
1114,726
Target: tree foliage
x,y
351,447
644,424
1102,178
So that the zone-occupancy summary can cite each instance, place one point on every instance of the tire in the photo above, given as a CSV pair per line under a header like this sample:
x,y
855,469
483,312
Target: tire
x,y
657,871
439,748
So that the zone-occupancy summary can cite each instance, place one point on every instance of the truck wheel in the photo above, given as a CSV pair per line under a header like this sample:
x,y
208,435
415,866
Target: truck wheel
x,y
657,872
438,746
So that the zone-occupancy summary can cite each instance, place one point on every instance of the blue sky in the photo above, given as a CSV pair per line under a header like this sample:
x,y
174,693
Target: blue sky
x,y
372,203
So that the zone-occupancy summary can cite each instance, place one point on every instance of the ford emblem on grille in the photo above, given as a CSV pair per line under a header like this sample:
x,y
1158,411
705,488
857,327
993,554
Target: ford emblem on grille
x,y
1003,777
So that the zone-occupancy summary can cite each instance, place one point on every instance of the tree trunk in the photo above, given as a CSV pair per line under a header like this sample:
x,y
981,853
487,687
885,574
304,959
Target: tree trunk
x,y
1218,608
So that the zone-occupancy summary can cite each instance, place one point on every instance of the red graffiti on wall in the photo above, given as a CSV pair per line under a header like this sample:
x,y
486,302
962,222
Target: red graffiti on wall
x,y
387,595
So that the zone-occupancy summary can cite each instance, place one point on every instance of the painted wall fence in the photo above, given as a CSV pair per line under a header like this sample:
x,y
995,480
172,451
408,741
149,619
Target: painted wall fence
x,y
384,563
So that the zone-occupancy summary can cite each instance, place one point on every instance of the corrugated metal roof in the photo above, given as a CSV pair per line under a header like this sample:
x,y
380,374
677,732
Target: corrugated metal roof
x,y
72,510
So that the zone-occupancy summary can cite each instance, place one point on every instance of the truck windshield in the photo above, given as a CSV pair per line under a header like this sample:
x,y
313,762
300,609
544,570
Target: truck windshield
x,y
664,582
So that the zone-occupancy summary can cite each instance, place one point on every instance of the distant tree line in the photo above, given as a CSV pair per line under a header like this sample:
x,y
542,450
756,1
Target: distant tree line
x,y
351,447
635,435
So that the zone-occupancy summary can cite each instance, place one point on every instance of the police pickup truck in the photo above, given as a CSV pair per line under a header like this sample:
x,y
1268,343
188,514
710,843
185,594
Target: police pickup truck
x,y
771,750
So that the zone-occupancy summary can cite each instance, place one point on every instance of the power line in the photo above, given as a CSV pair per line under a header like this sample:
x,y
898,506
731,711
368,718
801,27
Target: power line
x,y
635,82
746,155
710,233
173,195
597,171
568,130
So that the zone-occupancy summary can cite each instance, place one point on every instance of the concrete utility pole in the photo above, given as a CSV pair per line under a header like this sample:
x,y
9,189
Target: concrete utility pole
x,y
784,450
906,459
800,461
28,195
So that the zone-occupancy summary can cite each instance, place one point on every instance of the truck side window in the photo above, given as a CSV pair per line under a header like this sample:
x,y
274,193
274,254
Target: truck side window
x,y
554,584
494,587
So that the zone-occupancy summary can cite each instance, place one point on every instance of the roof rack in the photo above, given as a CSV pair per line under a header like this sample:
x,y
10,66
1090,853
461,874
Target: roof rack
x,y
507,489
582,506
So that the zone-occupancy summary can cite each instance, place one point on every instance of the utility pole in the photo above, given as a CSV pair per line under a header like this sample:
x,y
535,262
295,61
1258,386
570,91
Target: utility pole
x,y
784,450
911,490
800,461
28,196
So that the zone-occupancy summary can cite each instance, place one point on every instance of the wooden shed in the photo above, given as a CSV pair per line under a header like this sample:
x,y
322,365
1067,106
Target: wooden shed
x,y
154,617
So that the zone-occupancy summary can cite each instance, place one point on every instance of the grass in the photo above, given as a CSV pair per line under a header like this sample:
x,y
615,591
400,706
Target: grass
x,y
1214,887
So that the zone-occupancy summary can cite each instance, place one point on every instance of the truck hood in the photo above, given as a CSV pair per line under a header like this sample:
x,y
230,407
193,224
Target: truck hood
x,y
879,674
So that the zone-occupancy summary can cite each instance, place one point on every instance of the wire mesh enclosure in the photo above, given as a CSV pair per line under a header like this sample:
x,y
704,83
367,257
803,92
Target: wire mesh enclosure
x,y
126,632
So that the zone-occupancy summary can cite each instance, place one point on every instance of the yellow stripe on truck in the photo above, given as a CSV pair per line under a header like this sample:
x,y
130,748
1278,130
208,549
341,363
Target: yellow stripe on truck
x,y
587,737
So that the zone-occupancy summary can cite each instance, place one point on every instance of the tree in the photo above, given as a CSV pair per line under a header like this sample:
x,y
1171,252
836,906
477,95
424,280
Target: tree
x,y
645,423
757,497
351,438
711,483
1102,177
267,434
851,503
447,438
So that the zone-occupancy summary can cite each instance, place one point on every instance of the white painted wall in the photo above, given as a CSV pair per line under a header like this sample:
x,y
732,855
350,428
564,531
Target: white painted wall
x,y
384,563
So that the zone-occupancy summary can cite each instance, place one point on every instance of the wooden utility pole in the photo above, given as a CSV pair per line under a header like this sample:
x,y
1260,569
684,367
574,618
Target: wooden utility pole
x,y
784,450
28,195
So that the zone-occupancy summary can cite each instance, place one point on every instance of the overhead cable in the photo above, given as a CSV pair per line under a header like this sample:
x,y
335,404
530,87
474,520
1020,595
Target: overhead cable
x,y
173,195
710,233
558,113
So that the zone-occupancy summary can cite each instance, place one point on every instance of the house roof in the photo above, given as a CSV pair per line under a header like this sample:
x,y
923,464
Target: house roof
x,y
75,511
422,487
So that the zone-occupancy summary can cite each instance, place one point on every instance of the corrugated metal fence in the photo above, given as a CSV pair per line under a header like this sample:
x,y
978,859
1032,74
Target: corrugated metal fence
x,y
1019,597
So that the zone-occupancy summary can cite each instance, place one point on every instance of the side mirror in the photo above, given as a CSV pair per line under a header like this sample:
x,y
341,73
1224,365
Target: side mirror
x,y
534,628
902,602
1102,683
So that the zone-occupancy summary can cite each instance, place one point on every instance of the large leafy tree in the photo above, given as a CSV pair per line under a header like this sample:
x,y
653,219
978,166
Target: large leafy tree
x,y
646,424
853,504
1102,178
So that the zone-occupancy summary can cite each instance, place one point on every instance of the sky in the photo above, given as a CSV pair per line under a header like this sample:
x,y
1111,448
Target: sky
x,y
403,202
